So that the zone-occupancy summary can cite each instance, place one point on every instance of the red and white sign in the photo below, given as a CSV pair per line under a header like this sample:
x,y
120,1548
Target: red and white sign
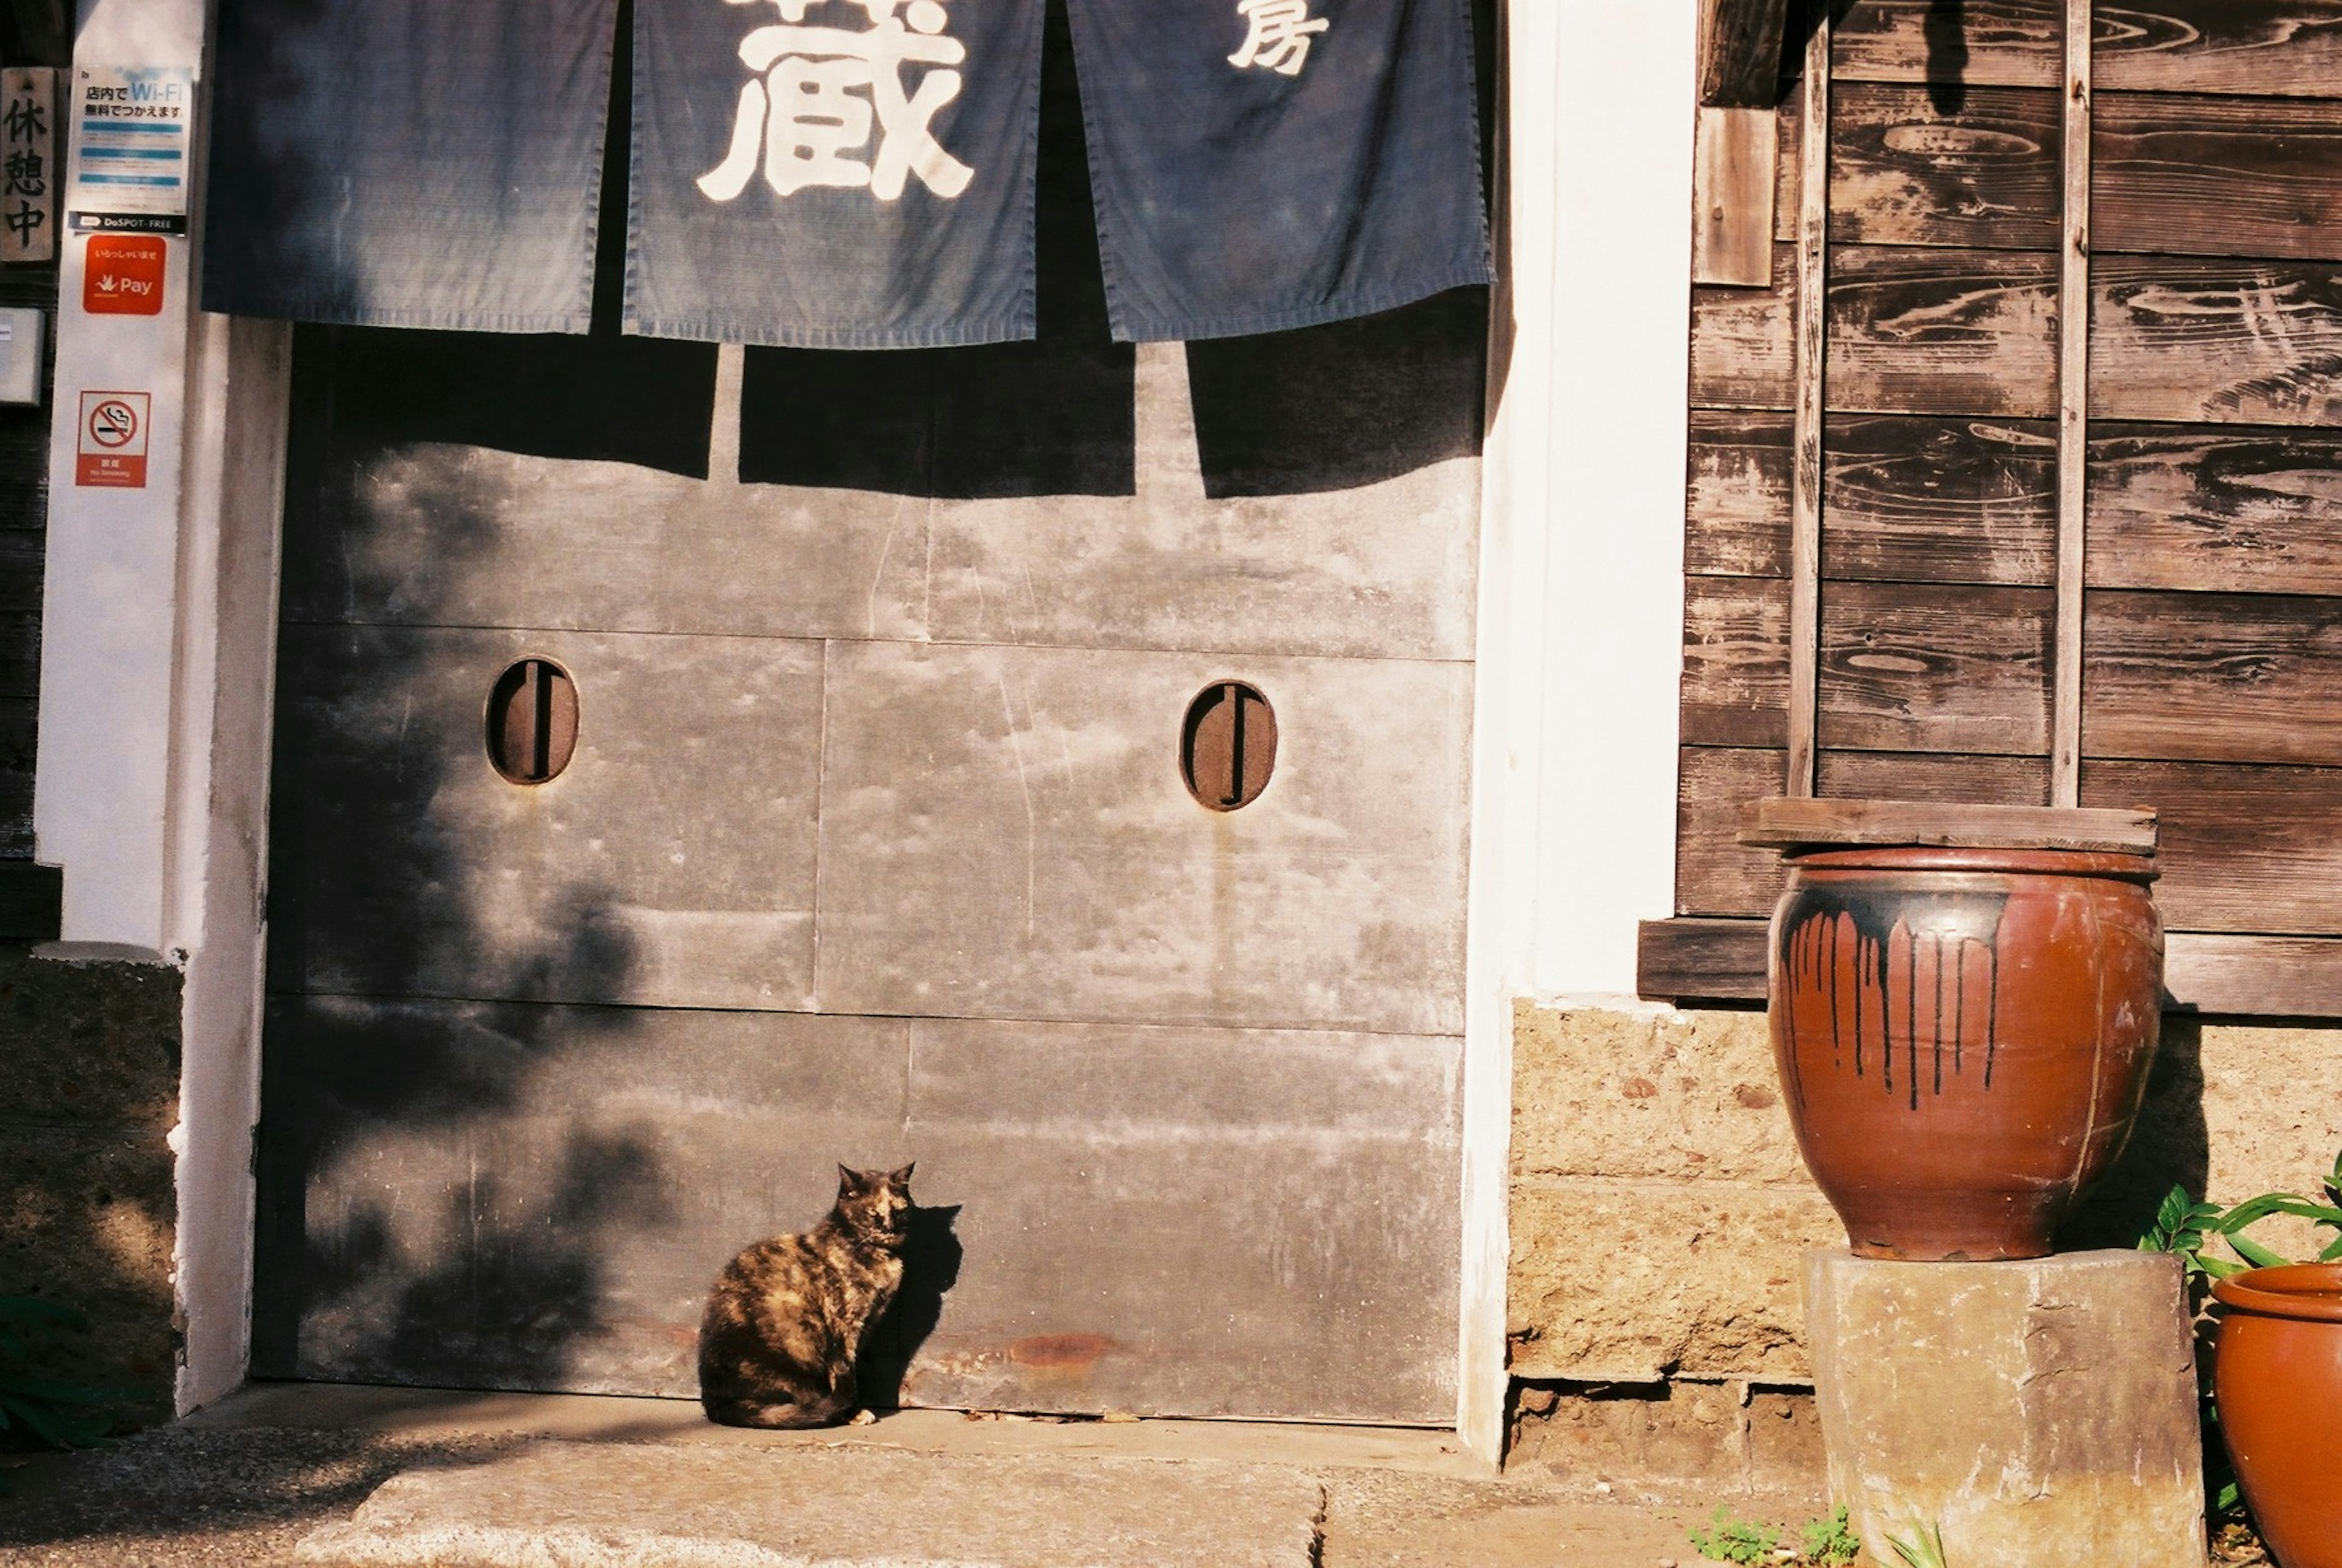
x,y
113,445
125,275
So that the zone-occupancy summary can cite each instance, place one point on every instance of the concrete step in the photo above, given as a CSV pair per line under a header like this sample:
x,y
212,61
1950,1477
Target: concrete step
x,y
554,1504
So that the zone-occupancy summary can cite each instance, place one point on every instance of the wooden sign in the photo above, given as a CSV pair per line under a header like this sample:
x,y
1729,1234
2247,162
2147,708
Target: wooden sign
x,y
28,164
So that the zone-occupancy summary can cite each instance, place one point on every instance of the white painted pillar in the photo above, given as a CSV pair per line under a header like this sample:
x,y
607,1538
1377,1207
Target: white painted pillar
x,y
1622,114
1581,573
156,668
110,615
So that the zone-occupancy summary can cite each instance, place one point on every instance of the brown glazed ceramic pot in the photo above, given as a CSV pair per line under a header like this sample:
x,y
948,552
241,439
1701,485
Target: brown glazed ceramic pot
x,y
2278,1378
1963,1036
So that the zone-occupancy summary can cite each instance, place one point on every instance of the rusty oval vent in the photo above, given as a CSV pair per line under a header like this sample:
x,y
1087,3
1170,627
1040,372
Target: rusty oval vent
x,y
531,721
1228,748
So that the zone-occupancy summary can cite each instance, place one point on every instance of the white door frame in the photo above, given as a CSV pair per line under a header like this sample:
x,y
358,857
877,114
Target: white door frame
x,y
159,634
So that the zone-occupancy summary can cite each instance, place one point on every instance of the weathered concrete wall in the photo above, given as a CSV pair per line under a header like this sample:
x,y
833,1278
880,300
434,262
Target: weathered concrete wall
x,y
88,1096
1660,1211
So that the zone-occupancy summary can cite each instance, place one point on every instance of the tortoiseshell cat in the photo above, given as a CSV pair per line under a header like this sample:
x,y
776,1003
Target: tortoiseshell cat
x,y
786,1319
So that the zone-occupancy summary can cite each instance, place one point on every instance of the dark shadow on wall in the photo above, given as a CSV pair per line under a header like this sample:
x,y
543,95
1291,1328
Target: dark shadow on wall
x,y
604,396
1947,55
931,1260
2169,1144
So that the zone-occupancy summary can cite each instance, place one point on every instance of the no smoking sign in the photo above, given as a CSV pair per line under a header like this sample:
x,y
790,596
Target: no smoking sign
x,y
112,445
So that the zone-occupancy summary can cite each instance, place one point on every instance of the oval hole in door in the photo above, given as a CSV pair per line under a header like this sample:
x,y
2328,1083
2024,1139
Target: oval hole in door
x,y
531,721
1227,748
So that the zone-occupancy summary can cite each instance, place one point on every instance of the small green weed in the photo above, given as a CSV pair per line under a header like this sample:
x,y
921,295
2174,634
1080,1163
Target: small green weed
x,y
1925,1549
1828,1542
1730,1540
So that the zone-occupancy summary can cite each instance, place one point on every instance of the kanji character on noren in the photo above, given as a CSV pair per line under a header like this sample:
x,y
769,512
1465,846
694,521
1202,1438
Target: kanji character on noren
x,y
806,117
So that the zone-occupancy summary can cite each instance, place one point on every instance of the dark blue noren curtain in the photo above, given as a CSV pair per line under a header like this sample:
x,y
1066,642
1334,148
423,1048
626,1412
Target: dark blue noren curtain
x,y
408,163
1260,164
835,174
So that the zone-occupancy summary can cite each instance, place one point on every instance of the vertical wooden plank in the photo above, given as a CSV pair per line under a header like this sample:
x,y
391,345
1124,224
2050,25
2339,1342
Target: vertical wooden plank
x,y
1812,354
2073,417
28,169
1732,198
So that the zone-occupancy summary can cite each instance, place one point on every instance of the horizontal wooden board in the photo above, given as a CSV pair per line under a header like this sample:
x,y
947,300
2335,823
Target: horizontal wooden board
x,y
1736,506
1906,169
2243,848
1917,330
1700,960
2262,46
1904,667
1969,42
1742,355
2205,973
1912,330
2216,342
2253,977
2212,677
1716,874
1904,498
2234,509
1929,668
2193,175
1736,678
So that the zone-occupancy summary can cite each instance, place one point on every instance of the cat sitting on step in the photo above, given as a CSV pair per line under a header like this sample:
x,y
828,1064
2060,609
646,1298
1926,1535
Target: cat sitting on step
x,y
785,1321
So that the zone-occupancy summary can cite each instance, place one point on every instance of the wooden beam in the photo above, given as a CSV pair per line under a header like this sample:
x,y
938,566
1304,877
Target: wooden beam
x,y
1811,359
1732,180
1740,52
2073,417
2236,976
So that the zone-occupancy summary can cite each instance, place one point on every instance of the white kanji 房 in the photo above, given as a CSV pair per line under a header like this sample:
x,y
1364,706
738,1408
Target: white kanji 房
x,y
820,92
1277,34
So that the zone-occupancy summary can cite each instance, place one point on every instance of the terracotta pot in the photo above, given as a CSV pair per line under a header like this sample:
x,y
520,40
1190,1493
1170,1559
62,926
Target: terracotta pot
x,y
1963,1036
2278,1378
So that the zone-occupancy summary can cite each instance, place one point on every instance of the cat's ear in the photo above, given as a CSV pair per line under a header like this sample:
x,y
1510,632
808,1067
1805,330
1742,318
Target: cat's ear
x,y
902,1178
849,1180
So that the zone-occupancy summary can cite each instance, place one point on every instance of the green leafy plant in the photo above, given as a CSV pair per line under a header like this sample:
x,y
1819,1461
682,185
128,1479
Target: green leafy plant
x,y
2188,1228
2192,1231
1829,1542
1730,1540
60,1414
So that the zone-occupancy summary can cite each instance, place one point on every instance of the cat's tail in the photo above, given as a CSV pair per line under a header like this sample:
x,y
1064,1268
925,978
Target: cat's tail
x,y
776,1415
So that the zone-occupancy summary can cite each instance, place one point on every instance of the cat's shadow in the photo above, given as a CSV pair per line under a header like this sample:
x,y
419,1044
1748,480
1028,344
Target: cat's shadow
x,y
931,1258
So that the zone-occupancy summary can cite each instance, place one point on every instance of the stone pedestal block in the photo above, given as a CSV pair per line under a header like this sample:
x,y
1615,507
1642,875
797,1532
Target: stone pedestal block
x,y
2040,1412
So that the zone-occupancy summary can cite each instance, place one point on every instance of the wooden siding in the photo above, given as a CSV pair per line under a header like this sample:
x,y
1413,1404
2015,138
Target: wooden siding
x,y
2212,651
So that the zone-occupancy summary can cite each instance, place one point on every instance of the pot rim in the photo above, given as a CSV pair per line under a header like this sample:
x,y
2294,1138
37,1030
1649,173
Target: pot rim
x,y
2307,1293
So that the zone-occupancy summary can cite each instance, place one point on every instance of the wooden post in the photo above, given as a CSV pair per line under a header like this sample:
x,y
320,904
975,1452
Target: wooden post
x,y
1812,356
2073,417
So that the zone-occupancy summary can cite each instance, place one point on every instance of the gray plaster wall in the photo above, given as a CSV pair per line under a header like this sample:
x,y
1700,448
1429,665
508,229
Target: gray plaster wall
x,y
875,848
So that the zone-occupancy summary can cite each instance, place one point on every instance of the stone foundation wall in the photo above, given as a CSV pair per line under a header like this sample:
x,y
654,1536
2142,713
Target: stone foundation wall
x,y
1660,1213
89,1092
